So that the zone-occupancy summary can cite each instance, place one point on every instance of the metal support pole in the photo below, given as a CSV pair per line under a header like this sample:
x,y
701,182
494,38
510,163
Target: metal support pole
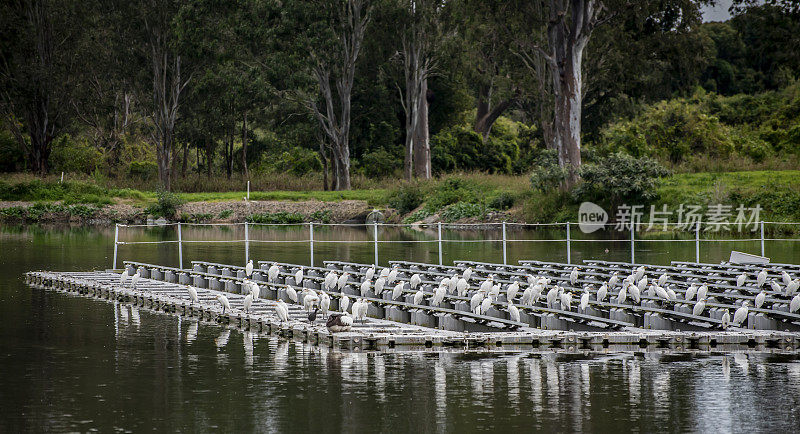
x,y
697,243
376,243
248,190
116,244
633,244
569,247
440,243
180,248
505,249
763,252
246,242
311,241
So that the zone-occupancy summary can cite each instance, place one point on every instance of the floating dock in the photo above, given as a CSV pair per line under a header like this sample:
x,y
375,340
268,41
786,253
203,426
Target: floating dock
x,y
398,323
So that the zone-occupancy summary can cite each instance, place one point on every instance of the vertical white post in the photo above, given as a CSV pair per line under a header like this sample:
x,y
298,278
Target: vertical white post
x,y
569,247
375,227
763,252
246,242
248,190
505,250
180,248
697,243
633,248
116,243
311,241
440,243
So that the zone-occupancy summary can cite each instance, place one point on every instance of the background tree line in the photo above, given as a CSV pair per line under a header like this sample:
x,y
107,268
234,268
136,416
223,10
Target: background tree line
x,y
390,88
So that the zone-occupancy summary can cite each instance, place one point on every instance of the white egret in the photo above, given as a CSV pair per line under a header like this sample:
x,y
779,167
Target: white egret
x,y
761,278
775,287
662,280
642,283
135,279
467,274
552,294
445,283
397,291
786,278
330,280
370,273
475,301
298,277
226,305
702,292
393,274
792,287
760,299
324,303
726,319
639,272
486,304
513,312
612,281
255,290
566,300
272,272
671,293
635,293
512,290
291,293
495,291
123,277
452,283
364,288
418,296
415,281
438,295
690,292
622,295
193,295
527,296
573,276
584,300
662,293
741,279
344,303
602,292
385,272
248,301
741,314
380,283
794,306
462,286
487,284
342,282
248,269
282,311
361,312
699,307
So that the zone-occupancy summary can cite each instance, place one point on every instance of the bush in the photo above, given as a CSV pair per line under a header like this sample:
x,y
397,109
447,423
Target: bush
x,y
547,175
406,198
461,148
297,161
321,216
620,178
68,155
502,202
276,217
145,170
417,216
166,206
380,164
453,190
225,213
461,210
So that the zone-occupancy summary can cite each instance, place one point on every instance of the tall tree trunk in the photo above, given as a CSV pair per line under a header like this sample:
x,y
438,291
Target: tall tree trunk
x,y
244,146
335,120
570,26
324,159
422,147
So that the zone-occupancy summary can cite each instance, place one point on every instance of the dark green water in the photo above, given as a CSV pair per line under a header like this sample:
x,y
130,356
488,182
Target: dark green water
x,y
75,364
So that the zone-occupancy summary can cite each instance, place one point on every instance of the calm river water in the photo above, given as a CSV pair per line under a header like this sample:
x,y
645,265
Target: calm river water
x,y
75,364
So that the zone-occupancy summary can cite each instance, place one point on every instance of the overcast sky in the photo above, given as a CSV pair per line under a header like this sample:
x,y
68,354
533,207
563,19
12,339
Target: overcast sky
x,y
718,12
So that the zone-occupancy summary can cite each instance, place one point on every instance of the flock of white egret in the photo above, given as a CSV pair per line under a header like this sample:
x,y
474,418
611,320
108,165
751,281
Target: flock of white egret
x,y
539,288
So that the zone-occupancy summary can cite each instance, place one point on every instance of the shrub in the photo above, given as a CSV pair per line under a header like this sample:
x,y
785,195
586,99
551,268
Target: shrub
x,y
503,201
547,175
620,178
406,198
417,216
380,164
72,156
297,161
276,217
461,148
453,190
321,216
225,213
460,210
166,206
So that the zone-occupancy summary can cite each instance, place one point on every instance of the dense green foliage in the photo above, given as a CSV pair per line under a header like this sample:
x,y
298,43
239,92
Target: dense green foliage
x,y
620,178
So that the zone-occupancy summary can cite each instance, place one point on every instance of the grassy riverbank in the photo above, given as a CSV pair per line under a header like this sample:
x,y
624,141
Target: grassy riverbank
x,y
465,197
